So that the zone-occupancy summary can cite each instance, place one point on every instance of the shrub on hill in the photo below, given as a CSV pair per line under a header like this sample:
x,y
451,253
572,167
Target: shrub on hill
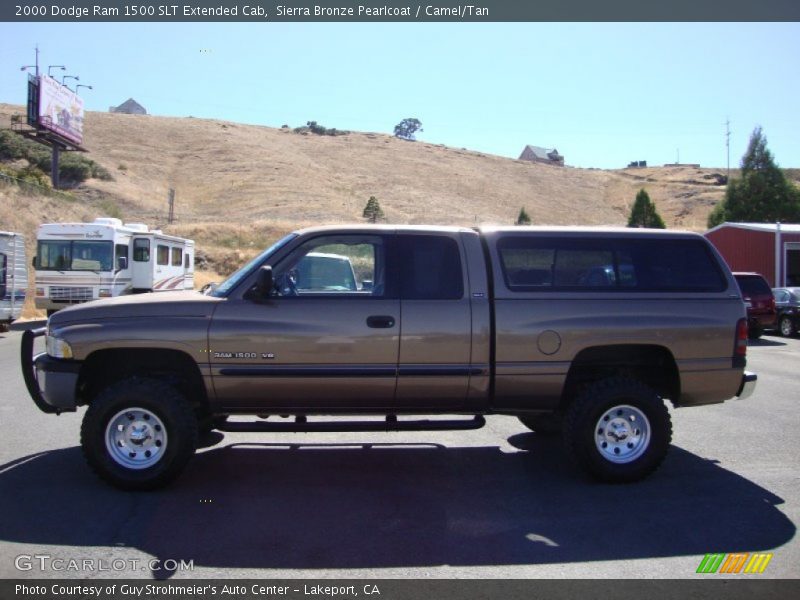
x,y
73,168
316,128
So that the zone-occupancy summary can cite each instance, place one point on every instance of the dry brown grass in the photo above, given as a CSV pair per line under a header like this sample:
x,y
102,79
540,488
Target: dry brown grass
x,y
238,187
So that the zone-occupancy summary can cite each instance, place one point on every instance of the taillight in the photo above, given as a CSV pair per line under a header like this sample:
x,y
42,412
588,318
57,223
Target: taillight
x,y
741,339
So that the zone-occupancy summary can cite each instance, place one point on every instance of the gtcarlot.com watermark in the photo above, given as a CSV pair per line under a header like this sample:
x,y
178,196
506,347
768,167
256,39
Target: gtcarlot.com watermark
x,y
58,564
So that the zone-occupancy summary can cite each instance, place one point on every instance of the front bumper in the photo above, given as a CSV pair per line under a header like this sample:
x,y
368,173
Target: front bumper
x,y
748,385
51,382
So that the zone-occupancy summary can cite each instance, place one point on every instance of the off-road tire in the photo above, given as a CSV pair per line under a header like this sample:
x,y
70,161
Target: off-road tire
x,y
149,399
623,403
550,424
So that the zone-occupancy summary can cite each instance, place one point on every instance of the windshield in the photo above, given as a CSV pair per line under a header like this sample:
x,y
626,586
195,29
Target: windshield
x,y
226,286
66,255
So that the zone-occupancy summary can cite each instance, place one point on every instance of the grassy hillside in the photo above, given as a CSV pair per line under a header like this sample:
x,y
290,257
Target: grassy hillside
x,y
233,173
239,186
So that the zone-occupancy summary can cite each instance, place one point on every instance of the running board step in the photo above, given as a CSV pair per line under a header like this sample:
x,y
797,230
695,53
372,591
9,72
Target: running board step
x,y
392,423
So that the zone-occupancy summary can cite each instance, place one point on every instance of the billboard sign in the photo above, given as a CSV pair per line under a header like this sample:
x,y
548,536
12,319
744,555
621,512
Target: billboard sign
x,y
60,110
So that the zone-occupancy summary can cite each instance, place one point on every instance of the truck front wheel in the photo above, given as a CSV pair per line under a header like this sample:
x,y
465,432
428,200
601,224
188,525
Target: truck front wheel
x,y
618,430
139,433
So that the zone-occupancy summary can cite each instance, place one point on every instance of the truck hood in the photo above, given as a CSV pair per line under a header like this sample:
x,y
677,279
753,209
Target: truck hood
x,y
154,304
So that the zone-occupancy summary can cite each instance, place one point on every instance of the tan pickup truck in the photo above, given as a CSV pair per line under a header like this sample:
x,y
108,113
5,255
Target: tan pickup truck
x,y
583,331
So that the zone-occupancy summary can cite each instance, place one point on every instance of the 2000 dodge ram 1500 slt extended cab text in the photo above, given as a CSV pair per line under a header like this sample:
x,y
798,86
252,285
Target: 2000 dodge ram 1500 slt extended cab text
x,y
586,331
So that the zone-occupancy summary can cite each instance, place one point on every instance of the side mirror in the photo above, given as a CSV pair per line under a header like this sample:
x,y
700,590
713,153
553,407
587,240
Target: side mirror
x,y
122,263
367,285
264,282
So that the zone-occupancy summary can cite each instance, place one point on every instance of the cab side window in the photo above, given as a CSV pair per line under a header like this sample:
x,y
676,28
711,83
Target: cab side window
x,y
430,268
120,251
347,265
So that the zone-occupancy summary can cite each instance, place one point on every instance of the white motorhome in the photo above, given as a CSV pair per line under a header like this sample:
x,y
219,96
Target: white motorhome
x,y
13,276
79,262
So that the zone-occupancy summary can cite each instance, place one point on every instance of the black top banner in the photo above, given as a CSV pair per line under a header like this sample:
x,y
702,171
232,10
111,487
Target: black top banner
x,y
394,11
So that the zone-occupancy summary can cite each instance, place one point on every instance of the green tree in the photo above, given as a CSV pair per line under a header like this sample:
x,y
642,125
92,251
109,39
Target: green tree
x,y
372,211
644,213
406,129
522,217
762,194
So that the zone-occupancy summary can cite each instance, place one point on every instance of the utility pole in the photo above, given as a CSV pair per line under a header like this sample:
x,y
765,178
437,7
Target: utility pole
x,y
728,148
171,205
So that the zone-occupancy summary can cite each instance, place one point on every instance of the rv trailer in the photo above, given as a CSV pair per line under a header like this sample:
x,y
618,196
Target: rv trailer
x,y
80,262
13,276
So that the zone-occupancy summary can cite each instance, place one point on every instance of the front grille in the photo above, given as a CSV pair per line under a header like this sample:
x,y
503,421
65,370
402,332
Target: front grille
x,y
70,295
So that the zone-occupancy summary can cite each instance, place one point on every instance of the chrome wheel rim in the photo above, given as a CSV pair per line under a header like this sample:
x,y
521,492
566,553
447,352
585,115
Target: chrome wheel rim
x,y
136,438
786,327
622,434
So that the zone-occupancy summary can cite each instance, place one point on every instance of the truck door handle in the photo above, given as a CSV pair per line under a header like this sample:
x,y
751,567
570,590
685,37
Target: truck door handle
x,y
380,322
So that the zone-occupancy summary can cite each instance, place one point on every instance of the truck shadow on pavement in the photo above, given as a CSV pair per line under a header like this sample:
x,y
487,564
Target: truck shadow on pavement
x,y
765,342
317,506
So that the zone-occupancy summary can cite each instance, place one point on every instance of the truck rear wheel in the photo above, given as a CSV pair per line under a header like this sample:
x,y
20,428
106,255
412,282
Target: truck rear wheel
x,y
618,430
138,434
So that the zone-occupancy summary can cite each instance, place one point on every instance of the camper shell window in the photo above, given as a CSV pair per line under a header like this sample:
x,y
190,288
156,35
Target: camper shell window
x,y
609,264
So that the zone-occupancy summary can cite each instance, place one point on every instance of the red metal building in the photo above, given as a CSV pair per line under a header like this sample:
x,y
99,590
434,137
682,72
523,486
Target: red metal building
x,y
768,248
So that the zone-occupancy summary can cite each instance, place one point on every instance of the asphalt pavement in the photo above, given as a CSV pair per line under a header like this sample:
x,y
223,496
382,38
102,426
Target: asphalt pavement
x,y
499,502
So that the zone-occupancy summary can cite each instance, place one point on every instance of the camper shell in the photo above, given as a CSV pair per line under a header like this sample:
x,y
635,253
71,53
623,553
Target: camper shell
x,y
13,276
79,262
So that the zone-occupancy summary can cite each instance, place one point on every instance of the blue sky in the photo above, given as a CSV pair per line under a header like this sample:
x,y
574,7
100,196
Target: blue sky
x,y
603,94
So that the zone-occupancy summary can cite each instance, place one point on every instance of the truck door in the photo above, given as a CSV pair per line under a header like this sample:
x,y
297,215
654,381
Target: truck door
x,y
328,338
436,327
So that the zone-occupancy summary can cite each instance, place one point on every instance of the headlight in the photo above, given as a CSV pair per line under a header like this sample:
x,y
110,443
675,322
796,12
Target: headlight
x,y
57,348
